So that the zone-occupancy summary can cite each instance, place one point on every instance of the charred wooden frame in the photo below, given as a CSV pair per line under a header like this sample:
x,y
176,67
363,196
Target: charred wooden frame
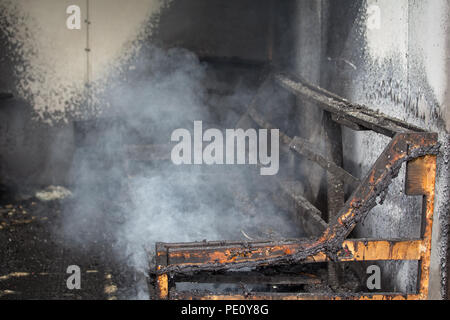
x,y
409,145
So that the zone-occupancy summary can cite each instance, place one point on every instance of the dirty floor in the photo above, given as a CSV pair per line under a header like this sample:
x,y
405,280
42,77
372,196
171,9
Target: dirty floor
x,y
34,258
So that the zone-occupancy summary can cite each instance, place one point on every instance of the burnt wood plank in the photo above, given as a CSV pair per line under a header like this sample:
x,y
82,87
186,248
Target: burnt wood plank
x,y
355,113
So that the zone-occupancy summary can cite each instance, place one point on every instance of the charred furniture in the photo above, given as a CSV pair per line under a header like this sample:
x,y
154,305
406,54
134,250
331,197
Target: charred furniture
x,y
409,144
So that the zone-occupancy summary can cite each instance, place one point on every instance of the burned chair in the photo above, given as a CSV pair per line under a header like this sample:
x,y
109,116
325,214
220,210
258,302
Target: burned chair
x,y
213,261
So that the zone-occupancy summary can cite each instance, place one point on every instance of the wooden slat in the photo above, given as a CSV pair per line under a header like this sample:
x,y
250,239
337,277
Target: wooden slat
x,y
302,147
347,123
250,278
417,176
290,296
162,280
311,218
259,119
428,186
202,256
358,114
381,250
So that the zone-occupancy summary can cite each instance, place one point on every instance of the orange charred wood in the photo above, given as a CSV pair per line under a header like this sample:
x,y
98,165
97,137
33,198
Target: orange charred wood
x,y
281,296
210,257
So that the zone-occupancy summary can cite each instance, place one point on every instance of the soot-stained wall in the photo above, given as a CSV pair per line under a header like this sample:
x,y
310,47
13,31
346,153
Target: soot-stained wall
x,y
59,75
393,57
47,66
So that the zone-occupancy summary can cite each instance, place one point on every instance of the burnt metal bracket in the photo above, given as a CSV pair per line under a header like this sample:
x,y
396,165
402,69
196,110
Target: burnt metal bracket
x,y
409,145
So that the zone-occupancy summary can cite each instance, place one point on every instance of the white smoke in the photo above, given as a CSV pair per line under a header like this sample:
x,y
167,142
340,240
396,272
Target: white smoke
x,y
160,201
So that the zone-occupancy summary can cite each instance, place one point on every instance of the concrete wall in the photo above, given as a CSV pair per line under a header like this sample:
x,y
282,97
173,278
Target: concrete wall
x,y
217,27
55,65
59,75
46,66
400,68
